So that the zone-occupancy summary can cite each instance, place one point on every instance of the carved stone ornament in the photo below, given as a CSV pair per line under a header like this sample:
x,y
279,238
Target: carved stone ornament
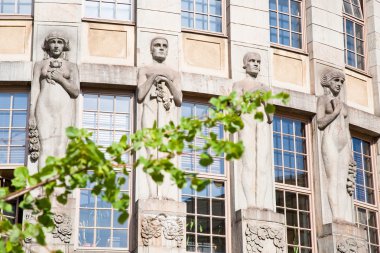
x,y
349,246
256,235
34,143
63,228
171,228
351,178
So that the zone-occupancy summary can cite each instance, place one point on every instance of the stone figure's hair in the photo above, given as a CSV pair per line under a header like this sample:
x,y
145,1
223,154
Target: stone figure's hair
x,y
157,38
56,35
329,75
249,56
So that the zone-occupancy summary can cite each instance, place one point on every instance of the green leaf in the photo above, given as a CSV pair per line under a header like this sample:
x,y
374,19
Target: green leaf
x,y
205,159
123,217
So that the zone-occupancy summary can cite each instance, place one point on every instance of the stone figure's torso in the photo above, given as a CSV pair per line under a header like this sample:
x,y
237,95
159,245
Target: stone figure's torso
x,y
53,98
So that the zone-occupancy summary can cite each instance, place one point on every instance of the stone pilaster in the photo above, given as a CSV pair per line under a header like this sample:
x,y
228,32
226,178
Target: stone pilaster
x,y
160,226
259,230
342,237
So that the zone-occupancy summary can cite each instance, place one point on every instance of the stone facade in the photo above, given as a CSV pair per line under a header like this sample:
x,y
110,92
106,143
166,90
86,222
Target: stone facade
x,y
311,202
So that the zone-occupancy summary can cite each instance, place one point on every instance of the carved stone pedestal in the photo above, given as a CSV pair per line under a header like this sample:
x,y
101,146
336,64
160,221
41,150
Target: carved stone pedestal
x,y
258,230
342,238
161,226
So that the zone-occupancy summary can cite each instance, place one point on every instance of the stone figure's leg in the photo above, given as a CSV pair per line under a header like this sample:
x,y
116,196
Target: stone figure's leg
x,y
331,163
248,171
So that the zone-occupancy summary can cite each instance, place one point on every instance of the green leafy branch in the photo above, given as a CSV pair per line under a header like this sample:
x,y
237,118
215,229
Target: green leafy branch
x,y
61,176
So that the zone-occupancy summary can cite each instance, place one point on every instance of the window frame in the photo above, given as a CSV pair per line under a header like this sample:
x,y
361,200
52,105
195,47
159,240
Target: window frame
x,y
361,204
132,21
303,49
356,20
131,183
226,178
297,189
223,33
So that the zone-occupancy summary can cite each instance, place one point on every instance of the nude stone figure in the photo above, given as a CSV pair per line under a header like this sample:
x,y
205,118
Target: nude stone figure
x,y
332,120
255,166
159,93
55,86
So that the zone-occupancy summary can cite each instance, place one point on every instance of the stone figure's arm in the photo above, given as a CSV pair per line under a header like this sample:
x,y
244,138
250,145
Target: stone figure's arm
x,y
175,89
143,84
71,85
34,93
323,119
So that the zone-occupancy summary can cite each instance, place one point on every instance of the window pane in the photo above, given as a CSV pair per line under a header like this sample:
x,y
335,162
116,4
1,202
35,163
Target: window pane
x,y
86,237
8,6
359,31
4,119
5,101
357,12
347,8
120,239
107,10
351,59
103,238
283,5
273,18
215,24
123,12
296,24
24,7
216,7
17,137
92,9
4,136
284,21
272,5
350,43
295,8
360,62
284,38
187,19
296,40
20,101
273,35
349,27
201,6
187,5
201,22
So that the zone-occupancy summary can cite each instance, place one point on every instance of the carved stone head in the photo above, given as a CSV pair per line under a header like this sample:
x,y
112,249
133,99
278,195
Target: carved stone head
x,y
332,82
159,48
55,45
252,62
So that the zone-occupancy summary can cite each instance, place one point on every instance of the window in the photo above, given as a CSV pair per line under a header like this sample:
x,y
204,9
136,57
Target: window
x,y
206,210
109,9
206,15
285,19
293,192
13,114
16,215
353,28
365,201
23,7
108,117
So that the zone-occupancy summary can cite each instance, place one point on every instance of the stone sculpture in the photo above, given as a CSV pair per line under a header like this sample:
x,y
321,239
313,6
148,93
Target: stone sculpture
x,y
349,245
55,86
256,235
159,92
332,120
255,166
63,227
153,227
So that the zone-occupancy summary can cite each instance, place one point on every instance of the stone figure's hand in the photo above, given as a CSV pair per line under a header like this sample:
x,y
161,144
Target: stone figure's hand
x,y
32,122
337,104
57,76
160,79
